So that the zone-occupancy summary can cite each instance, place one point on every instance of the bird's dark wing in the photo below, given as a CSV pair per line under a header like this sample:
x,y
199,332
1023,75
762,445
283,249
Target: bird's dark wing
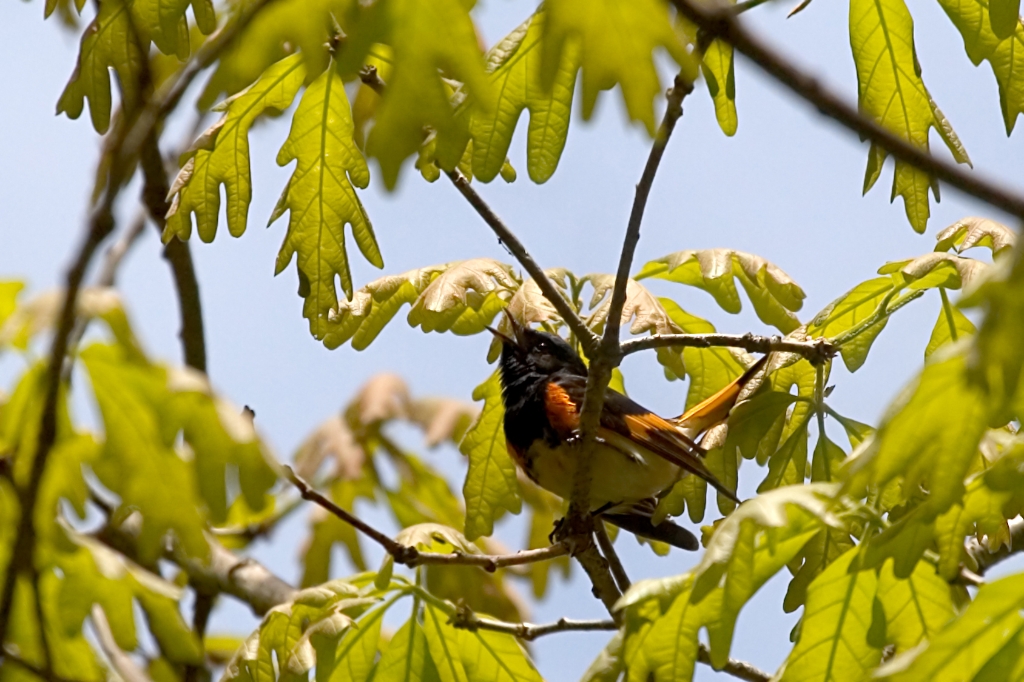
x,y
624,418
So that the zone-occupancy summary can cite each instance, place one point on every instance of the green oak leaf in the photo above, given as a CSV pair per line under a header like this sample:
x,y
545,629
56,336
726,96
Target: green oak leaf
x,y
321,199
1003,51
773,293
491,486
426,39
847,312
221,157
109,42
892,92
951,326
720,74
929,436
971,643
514,68
616,42
833,642
916,607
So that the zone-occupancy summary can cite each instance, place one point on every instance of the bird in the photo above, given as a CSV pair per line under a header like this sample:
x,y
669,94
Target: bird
x,y
638,456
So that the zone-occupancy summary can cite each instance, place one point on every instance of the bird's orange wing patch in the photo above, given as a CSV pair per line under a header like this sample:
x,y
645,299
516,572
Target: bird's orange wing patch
x,y
562,411
716,408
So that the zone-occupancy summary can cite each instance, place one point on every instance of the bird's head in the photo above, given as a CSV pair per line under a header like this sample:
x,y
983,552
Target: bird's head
x,y
536,350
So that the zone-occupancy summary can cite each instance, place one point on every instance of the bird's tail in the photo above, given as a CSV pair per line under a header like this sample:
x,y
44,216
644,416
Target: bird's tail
x,y
666,531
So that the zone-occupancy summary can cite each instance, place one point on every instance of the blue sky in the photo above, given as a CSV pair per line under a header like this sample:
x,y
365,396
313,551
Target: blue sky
x,y
787,187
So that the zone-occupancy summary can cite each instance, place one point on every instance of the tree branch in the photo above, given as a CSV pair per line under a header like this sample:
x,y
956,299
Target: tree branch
x,y
467,620
177,254
719,21
985,558
410,556
608,550
738,669
127,669
587,338
816,350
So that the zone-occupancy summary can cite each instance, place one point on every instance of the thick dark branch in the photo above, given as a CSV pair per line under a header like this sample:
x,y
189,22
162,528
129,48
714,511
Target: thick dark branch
x,y
816,351
177,254
608,550
718,21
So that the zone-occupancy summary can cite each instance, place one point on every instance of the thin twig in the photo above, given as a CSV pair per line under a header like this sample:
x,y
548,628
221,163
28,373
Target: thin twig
x,y
126,668
738,669
719,21
985,558
586,337
467,620
816,350
490,562
608,550
410,556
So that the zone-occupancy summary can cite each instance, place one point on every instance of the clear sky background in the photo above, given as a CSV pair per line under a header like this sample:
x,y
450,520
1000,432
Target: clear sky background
x,y
787,187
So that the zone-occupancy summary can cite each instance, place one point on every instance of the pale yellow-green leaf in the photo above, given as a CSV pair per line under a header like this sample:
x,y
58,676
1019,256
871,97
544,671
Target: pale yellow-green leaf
x,y
617,42
1004,53
916,608
406,658
973,231
221,157
961,649
321,200
495,656
109,42
720,75
848,311
491,487
774,295
951,326
891,91
817,554
833,644
465,297
364,315
426,38
514,67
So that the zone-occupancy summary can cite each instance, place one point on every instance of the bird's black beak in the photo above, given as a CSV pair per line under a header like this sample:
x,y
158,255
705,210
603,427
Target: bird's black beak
x,y
516,339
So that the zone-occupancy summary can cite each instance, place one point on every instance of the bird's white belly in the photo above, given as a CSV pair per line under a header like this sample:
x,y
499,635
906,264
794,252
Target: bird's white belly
x,y
615,477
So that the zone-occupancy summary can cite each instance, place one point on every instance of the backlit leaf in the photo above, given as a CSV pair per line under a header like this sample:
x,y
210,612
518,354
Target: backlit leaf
x,y
951,326
720,75
109,42
972,232
848,311
774,295
891,91
616,42
465,297
321,199
1004,54
514,67
916,608
221,157
491,487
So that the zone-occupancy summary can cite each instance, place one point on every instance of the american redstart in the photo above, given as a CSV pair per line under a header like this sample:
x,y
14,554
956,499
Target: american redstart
x,y
638,455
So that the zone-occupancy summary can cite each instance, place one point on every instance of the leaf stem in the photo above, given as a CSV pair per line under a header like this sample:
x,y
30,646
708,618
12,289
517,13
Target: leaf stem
x,y
883,311
947,310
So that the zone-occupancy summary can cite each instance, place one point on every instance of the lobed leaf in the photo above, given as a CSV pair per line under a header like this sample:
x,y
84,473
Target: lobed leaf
x,y
891,91
320,198
928,437
834,640
426,39
972,232
108,43
850,310
999,43
491,487
774,295
615,43
220,156
514,69
465,297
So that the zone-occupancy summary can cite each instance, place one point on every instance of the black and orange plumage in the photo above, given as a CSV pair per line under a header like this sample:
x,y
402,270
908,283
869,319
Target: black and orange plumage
x,y
638,455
